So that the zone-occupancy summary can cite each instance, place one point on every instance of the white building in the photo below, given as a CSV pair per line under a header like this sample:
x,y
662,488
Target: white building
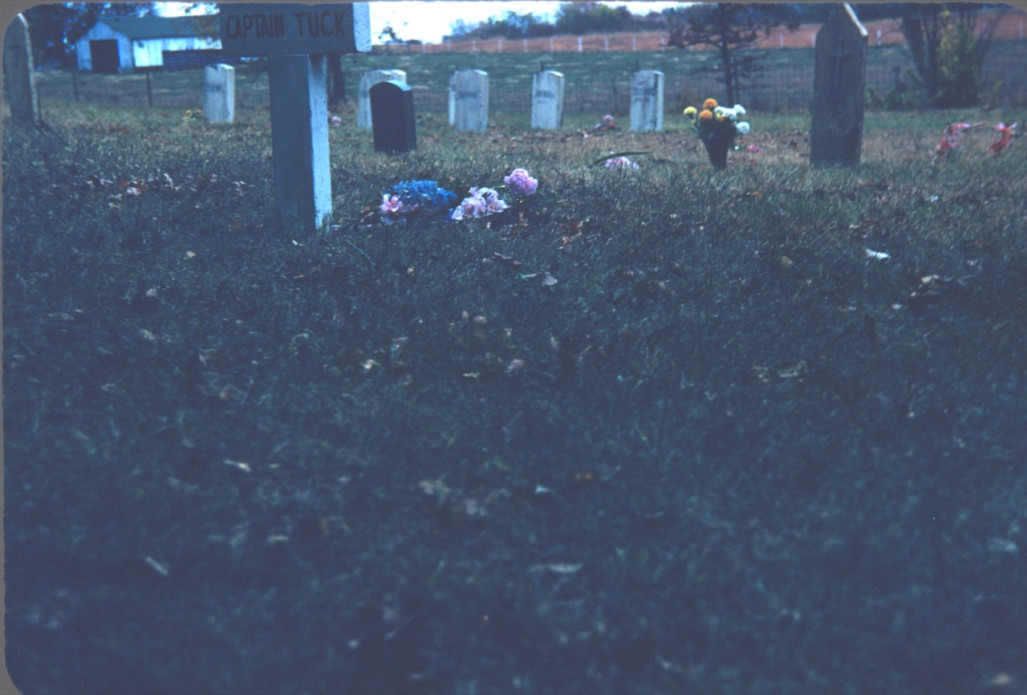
x,y
124,44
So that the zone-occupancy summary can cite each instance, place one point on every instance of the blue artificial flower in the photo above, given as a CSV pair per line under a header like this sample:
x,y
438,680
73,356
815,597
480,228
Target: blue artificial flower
x,y
422,198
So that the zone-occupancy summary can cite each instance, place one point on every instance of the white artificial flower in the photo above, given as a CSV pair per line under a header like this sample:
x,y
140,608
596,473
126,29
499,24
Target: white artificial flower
x,y
720,111
739,110
743,127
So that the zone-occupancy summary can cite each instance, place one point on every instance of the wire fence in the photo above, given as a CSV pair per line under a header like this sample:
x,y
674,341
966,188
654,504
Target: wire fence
x,y
596,82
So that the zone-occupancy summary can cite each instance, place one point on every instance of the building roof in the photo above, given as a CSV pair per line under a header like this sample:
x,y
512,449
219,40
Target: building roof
x,y
155,27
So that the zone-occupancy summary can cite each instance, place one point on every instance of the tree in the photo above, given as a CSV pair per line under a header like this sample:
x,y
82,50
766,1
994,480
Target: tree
x,y
948,51
590,18
731,28
54,28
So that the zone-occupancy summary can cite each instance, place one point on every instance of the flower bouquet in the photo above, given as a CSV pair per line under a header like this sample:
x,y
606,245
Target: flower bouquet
x,y
1004,135
483,201
718,127
409,200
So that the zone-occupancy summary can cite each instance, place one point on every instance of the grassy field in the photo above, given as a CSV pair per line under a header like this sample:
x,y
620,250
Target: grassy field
x,y
727,451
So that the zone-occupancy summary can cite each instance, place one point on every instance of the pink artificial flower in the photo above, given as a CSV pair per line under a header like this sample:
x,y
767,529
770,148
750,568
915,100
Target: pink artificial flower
x,y
620,163
335,120
481,203
755,149
1003,138
950,137
391,205
521,182
607,123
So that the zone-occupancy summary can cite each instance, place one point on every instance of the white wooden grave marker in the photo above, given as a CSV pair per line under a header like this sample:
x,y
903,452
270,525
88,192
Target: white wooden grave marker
x,y
469,100
369,79
646,112
547,89
219,93
295,39
19,76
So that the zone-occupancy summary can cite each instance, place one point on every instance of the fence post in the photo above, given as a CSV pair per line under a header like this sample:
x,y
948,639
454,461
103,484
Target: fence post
x,y
149,90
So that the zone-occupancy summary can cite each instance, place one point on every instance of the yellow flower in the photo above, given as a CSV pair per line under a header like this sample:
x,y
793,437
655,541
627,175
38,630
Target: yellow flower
x,y
710,104
690,112
706,115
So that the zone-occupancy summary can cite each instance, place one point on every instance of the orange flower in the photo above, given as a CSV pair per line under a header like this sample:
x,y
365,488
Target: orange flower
x,y
706,115
709,104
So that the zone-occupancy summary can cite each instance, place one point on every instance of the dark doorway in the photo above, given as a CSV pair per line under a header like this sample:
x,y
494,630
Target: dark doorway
x,y
105,55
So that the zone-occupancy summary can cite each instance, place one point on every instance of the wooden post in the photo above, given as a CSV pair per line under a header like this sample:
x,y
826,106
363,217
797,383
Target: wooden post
x,y
296,39
299,142
149,90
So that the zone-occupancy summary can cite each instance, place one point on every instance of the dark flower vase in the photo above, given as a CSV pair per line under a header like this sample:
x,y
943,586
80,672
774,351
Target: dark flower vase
x,y
717,145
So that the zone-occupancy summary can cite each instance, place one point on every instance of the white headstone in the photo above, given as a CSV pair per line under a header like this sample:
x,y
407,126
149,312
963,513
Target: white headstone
x,y
368,79
219,93
646,101
547,100
469,96
19,76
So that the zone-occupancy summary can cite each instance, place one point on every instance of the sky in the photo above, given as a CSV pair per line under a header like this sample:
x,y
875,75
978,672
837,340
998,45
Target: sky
x,y
430,20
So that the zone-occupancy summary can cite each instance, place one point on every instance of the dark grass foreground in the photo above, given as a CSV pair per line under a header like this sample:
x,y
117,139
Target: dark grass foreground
x,y
726,452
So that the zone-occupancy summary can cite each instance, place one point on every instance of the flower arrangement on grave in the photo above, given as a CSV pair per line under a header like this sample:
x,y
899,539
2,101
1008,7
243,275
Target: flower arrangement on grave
x,y
606,124
621,162
950,138
193,115
718,127
1003,138
483,201
415,200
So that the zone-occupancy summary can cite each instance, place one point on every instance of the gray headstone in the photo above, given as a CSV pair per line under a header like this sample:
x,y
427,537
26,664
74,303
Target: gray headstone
x,y
646,101
469,96
392,113
219,93
19,74
547,100
839,84
368,79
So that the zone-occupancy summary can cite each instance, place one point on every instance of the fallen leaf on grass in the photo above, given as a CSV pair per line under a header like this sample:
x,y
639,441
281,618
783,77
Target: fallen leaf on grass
x,y
558,567
877,255
158,567
244,467
1003,545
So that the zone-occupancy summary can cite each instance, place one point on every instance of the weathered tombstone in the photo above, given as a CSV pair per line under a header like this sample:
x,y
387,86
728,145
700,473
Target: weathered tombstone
x,y
547,100
368,79
452,99
19,74
296,38
392,112
646,112
839,83
469,95
219,93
